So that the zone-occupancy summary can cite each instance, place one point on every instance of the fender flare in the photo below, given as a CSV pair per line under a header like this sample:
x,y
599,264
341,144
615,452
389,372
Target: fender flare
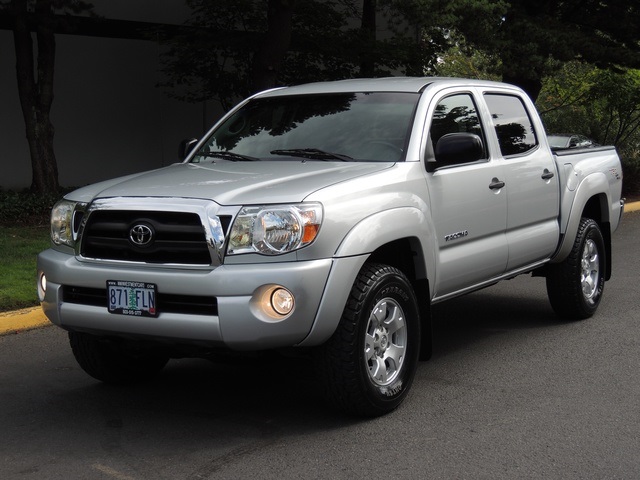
x,y
389,225
354,250
594,185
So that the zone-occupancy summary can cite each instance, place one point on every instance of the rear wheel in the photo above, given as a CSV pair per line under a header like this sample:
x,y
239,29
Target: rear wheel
x,y
368,365
115,362
575,285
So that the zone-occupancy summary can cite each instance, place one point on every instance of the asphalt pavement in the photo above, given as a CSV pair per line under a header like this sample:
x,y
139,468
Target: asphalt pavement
x,y
30,318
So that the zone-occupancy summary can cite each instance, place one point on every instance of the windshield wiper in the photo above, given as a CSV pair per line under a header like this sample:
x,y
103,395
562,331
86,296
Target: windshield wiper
x,y
234,157
313,153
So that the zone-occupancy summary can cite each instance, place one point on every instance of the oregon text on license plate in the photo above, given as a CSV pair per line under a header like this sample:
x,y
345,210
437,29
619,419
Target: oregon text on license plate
x,y
132,298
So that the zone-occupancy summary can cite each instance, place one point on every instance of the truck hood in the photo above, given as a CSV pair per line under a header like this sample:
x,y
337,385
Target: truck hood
x,y
232,183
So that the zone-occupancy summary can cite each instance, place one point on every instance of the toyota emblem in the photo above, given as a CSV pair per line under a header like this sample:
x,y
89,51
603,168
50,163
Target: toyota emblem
x,y
141,235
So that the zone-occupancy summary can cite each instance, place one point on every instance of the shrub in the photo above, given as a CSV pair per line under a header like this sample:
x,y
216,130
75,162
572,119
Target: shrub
x,y
630,157
26,208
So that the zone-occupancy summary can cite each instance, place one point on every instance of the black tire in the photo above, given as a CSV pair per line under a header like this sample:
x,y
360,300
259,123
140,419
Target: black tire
x,y
575,285
367,366
115,363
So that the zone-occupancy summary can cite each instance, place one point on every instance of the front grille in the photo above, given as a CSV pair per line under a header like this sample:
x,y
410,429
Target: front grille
x,y
178,237
166,303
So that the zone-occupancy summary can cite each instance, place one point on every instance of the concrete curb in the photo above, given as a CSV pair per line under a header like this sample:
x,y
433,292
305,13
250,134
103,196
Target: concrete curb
x,y
30,318
632,207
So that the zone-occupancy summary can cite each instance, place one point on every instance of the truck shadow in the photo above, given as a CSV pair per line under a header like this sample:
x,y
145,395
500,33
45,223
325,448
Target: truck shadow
x,y
465,320
273,396
233,410
274,386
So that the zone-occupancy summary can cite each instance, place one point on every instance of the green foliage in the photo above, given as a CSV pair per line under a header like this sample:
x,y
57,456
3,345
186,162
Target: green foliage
x,y
531,38
630,155
617,96
24,232
516,40
216,60
463,61
601,104
564,102
26,208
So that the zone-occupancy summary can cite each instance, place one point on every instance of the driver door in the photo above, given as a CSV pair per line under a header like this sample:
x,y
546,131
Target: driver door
x,y
468,206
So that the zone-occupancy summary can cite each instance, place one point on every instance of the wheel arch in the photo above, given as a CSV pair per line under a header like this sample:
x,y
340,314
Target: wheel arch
x,y
402,240
406,255
590,201
597,210
400,237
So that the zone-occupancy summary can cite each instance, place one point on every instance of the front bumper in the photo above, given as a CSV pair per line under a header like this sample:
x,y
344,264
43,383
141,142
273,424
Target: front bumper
x,y
237,325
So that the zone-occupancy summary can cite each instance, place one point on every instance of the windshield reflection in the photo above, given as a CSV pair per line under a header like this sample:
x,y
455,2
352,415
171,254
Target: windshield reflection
x,y
353,126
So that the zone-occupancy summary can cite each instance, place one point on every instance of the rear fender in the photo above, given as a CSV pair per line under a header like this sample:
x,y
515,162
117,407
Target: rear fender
x,y
592,192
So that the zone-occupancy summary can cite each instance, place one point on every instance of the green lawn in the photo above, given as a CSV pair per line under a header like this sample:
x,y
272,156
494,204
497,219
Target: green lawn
x,y
18,249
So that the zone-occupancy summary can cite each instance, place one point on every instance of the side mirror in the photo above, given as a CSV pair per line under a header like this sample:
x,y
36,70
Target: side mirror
x,y
455,148
185,147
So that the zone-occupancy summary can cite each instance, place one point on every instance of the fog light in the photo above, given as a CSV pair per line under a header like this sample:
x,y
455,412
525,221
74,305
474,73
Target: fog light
x,y
272,303
282,301
42,286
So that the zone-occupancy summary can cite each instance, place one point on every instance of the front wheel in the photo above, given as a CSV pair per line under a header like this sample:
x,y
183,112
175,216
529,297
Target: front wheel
x,y
575,285
368,365
117,363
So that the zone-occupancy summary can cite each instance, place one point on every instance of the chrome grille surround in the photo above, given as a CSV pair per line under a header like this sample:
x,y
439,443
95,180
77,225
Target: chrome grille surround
x,y
203,222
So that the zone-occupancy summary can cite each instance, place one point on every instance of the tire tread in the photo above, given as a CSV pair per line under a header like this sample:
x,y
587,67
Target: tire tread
x,y
563,289
337,361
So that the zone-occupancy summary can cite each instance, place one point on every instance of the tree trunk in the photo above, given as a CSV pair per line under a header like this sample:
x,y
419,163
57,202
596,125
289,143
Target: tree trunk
x,y
270,57
368,31
36,94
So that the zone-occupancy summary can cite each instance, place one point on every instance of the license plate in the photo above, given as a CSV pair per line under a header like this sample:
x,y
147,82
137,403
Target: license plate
x,y
132,298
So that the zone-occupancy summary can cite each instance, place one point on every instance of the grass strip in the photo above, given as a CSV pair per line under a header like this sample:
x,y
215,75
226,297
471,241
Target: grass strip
x,y
18,249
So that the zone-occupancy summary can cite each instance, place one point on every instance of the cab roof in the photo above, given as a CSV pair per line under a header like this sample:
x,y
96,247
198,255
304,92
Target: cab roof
x,y
385,84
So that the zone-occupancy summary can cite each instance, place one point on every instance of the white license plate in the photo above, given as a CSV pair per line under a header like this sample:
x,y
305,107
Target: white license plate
x,y
138,299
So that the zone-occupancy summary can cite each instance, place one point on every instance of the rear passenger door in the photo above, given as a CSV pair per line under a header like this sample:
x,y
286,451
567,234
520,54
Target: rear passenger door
x,y
468,207
531,181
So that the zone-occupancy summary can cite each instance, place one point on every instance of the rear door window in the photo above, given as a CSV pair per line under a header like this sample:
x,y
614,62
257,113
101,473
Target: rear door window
x,y
512,123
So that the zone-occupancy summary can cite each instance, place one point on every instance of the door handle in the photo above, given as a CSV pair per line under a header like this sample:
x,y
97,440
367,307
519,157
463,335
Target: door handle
x,y
496,184
547,175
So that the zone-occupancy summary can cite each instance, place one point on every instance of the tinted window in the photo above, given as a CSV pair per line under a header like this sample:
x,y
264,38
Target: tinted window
x,y
512,123
455,114
357,126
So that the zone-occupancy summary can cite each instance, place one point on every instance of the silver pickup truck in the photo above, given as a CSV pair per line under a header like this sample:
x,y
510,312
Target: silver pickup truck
x,y
329,217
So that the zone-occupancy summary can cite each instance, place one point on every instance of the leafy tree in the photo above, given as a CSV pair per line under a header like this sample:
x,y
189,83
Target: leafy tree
x,y
565,100
461,60
602,104
223,57
528,36
617,96
249,55
35,72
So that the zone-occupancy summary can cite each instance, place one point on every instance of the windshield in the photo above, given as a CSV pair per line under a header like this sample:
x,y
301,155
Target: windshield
x,y
330,127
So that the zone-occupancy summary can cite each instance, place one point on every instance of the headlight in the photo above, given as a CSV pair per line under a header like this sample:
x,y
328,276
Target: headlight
x,y
62,223
274,230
